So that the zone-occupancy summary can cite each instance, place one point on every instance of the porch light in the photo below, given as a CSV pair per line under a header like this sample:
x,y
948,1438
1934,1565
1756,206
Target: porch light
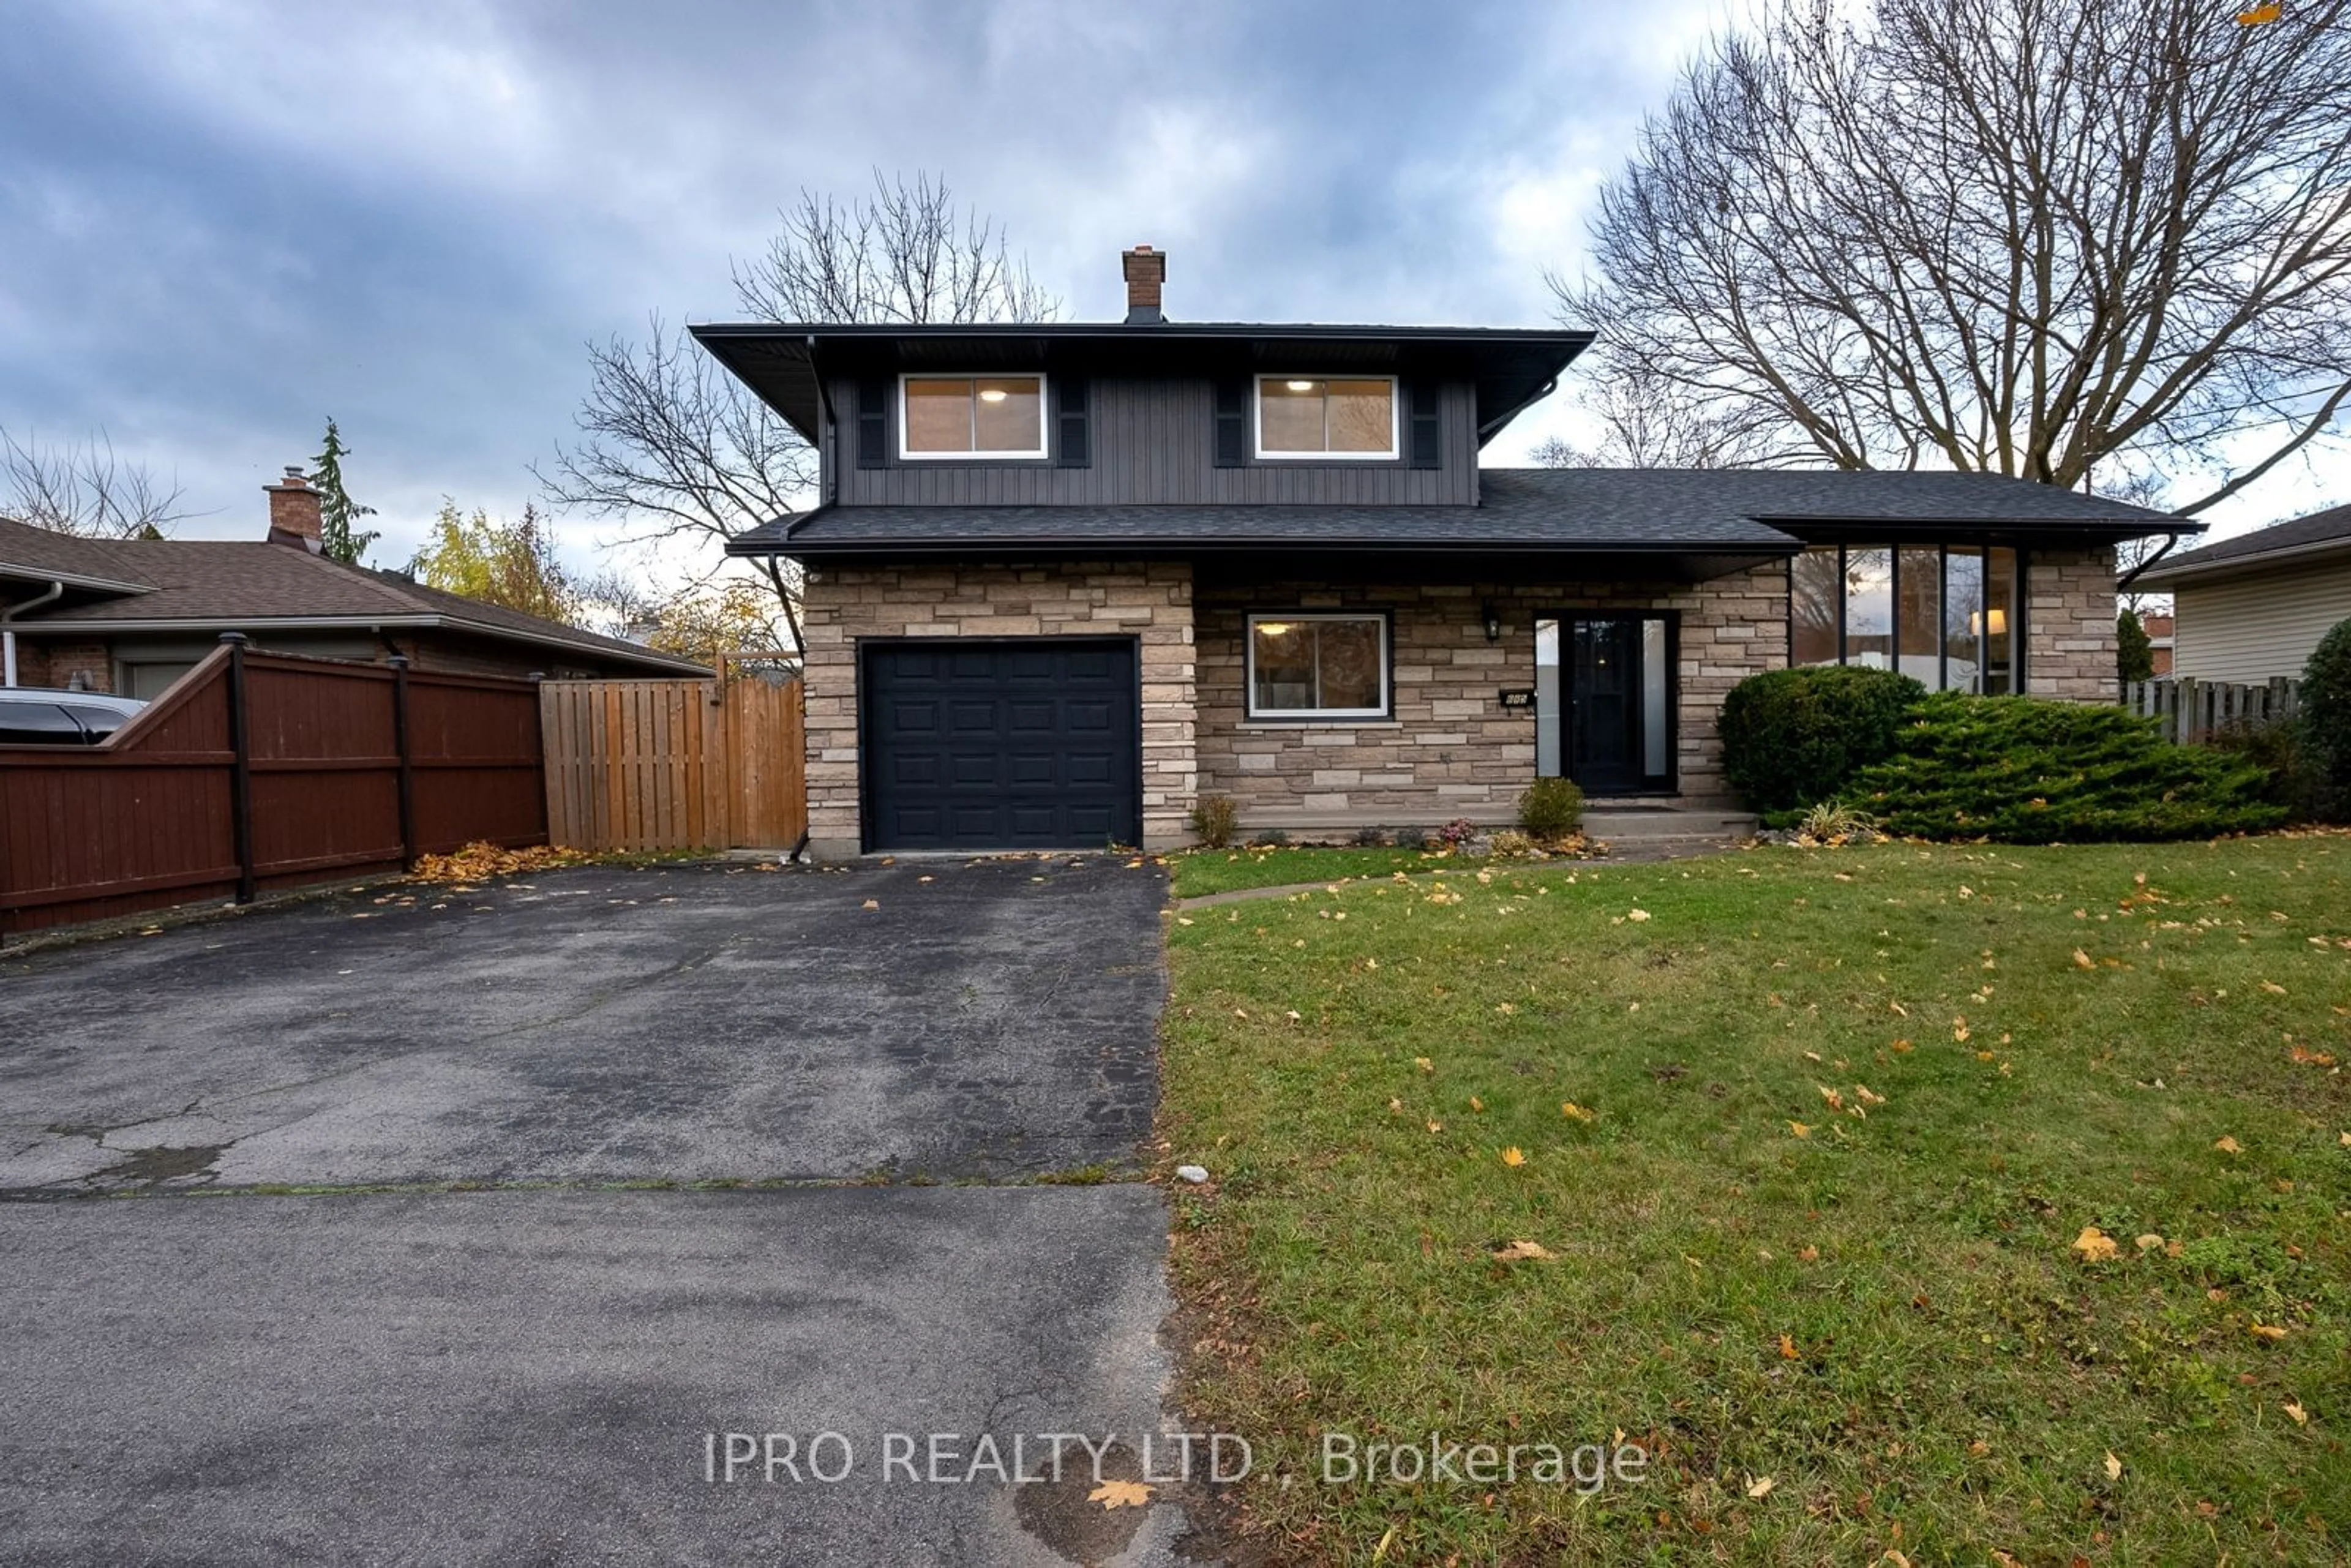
x,y
1300,386
1493,622
993,394
1276,628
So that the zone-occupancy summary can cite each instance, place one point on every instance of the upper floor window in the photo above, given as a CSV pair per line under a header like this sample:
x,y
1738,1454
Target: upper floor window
x,y
1326,416
972,416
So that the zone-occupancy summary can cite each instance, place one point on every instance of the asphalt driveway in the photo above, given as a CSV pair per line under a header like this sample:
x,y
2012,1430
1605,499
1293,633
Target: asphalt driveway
x,y
202,1366
694,1023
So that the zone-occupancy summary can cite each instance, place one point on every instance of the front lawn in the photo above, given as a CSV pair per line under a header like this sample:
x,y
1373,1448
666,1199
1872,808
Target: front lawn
x,y
1812,1140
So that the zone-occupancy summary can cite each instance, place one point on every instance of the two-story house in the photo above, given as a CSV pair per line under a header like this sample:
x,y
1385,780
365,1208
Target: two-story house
x,y
1063,579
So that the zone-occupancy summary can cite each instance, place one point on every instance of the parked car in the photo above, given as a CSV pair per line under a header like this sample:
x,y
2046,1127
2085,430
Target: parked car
x,y
36,716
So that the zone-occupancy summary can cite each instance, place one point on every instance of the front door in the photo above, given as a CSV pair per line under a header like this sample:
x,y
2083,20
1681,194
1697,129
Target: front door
x,y
1604,711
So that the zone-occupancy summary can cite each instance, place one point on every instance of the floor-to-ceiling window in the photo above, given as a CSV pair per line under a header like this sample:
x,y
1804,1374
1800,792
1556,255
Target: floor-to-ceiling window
x,y
1946,615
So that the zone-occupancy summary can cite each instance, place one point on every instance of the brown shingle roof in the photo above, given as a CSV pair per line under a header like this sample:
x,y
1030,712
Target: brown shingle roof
x,y
228,582
2316,531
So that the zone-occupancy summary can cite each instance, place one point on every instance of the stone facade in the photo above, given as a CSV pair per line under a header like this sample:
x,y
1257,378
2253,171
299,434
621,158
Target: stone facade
x,y
2069,626
1151,603
1451,749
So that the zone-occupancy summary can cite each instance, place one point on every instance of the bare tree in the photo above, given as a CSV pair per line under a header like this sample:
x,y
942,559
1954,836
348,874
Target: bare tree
x,y
902,253
1646,423
84,489
676,449
2018,237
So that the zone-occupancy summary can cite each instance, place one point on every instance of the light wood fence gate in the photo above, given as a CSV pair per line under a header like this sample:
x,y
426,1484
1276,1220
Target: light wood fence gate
x,y
2195,710
674,765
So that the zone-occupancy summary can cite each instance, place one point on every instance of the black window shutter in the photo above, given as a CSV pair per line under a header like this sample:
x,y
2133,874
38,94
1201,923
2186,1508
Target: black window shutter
x,y
873,423
1232,423
1076,444
1428,448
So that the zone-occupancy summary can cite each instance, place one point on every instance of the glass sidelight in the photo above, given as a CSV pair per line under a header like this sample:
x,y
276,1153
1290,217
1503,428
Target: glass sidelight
x,y
1604,712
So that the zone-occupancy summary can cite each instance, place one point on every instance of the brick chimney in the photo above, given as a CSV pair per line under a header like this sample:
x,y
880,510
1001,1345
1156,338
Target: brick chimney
x,y
294,512
1146,270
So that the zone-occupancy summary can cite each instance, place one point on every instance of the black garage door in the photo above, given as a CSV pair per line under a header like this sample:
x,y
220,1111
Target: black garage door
x,y
1033,743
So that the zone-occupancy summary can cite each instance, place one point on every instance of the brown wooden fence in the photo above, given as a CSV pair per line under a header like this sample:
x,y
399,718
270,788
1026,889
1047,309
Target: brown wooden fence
x,y
674,765
2193,710
264,770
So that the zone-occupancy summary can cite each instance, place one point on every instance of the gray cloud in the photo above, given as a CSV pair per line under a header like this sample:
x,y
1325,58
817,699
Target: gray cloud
x,y
219,224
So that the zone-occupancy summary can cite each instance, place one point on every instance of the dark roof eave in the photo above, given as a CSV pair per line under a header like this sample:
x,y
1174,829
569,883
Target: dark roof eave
x,y
1062,546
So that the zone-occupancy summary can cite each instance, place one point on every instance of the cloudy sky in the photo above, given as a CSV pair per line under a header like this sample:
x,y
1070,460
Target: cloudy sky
x,y
221,223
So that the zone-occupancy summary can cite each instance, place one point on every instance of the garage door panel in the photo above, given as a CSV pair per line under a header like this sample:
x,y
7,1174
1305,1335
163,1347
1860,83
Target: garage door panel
x,y
1029,743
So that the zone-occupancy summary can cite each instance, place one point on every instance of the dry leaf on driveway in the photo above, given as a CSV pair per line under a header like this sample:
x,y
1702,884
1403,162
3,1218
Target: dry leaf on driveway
x,y
1120,1494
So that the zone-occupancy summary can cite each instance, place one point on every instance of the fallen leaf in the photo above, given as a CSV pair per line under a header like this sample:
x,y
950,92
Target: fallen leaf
x,y
1836,1101
1810,1255
2271,1331
1120,1494
2273,988
2149,1242
1636,916
1511,1156
1787,1348
2229,1147
1576,1112
1521,1249
1423,1065
1800,1130
2114,1467
873,904
1476,1103
2301,1417
1395,1107
2095,1245
2082,960
1762,1489
1437,1127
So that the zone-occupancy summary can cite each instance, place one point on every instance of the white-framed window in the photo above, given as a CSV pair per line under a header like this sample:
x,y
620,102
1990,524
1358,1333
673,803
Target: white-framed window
x,y
1317,664
1326,416
971,416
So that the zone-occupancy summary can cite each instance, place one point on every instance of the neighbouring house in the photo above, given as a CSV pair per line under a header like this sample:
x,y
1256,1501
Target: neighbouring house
x,y
2156,624
1064,580
132,616
2251,608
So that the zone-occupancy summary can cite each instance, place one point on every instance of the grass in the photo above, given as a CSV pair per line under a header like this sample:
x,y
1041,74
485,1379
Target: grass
x,y
1886,1316
1198,871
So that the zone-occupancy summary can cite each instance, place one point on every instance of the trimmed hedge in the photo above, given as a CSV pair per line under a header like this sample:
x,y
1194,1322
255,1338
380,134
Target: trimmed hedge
x,y
2024,771
1791,737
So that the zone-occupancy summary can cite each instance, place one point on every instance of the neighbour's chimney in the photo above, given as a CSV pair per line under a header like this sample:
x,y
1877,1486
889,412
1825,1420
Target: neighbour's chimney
x,y
294,512
1146,270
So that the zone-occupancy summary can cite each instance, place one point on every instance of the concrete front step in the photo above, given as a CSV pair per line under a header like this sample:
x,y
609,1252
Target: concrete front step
x,y
1661,824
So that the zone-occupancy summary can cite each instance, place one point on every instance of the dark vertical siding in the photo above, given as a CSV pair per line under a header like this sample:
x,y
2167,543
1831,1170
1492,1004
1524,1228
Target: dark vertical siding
x,y
1154,441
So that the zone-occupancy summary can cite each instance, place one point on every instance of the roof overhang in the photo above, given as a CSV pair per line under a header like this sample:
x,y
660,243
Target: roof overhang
x,y
41,576
786,365
2173,574
78,626
2024,533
